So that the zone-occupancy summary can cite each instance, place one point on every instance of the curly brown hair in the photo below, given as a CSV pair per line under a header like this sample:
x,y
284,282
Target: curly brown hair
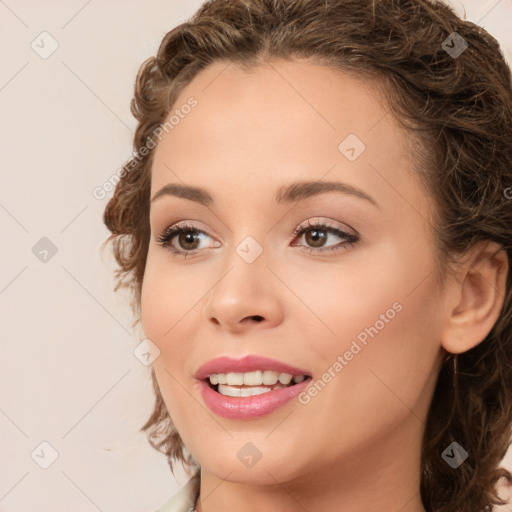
x,y
459,110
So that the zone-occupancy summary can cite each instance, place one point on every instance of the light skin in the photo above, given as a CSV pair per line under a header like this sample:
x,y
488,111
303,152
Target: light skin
x,y
356,445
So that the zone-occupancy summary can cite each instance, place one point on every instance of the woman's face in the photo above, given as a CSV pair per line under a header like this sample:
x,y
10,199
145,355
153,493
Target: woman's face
x,y
356,309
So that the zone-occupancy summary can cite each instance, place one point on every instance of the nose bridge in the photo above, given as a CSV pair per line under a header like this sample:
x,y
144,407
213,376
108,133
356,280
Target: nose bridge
x,y
245,291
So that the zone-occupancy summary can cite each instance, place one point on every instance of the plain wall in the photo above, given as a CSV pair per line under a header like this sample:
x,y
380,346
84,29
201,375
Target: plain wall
x,y
68,375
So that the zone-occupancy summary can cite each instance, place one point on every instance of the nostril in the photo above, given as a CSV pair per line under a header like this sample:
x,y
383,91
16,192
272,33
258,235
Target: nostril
x,y
258,318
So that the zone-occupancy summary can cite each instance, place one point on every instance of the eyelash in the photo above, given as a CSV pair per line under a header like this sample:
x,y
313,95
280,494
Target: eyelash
x,y
171,232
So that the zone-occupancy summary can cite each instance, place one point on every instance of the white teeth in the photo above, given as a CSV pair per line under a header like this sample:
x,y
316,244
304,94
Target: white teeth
x,y
255,378
235,379
242,392
270,377
285,378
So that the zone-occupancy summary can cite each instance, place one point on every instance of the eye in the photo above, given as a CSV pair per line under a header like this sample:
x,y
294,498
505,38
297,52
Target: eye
x,y
185,236
185,239
318,233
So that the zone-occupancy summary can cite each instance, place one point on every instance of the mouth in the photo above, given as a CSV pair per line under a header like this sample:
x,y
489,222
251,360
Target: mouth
x,y
249,387
252,383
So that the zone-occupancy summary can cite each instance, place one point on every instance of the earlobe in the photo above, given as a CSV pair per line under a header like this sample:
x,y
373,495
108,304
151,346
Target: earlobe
x,y
479,293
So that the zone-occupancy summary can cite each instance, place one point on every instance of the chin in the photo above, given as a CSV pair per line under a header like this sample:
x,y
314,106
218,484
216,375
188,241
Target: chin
x,y
246,464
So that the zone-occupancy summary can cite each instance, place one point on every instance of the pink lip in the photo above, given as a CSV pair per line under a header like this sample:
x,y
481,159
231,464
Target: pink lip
x,y
251,407
245,364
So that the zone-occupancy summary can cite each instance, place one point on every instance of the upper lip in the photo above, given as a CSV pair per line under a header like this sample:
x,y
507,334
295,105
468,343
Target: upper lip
x,y
245,364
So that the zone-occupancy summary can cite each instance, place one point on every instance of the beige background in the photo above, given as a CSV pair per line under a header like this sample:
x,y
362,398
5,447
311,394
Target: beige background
x,y
68,375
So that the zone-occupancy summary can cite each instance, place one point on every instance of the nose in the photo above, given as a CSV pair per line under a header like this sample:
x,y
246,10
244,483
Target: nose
x,y
248,296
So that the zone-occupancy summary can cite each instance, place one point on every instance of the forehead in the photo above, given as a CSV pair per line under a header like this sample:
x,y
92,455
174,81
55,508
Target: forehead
x,y
282,121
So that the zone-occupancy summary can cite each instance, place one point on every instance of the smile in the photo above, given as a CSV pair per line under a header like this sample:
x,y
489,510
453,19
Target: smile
x,y
252,383
258,388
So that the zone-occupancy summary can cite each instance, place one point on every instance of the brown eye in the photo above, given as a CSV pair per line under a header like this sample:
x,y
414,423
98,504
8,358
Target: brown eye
x,y
317,234
182,239
316,237
188,240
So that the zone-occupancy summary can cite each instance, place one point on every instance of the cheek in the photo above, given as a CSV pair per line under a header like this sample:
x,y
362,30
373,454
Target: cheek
x,y
388,361
168,295
166,298
381,316
339,301
386,286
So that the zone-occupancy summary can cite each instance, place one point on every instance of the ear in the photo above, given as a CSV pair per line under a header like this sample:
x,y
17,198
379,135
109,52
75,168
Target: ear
x,y
475,297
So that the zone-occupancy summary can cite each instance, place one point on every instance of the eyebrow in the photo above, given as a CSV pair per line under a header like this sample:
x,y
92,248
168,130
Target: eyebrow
x,y
286,194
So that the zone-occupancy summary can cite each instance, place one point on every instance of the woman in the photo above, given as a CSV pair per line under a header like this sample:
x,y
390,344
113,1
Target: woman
x,y
316,226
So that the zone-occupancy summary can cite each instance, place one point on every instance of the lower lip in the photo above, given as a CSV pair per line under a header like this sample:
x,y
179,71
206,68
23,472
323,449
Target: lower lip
x,y
250,407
